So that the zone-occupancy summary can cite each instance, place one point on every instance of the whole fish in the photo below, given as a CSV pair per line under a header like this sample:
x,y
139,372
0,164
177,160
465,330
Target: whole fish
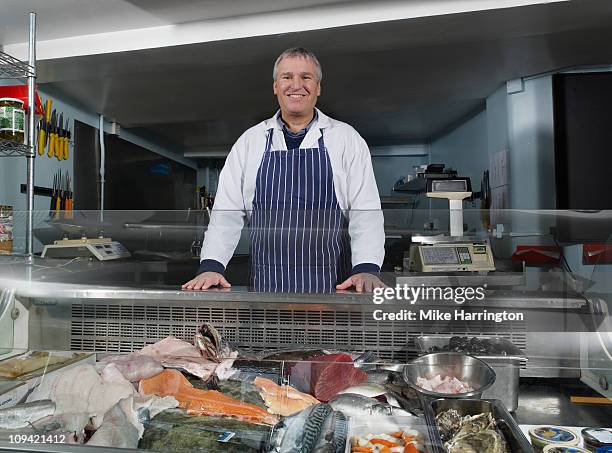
x,y
365,389
23,415
378,376
367,361
316,429
212,345
353,405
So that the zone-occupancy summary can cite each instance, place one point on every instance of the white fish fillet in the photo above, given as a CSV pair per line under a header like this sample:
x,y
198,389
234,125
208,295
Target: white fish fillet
x,y
134,367
447,384
171,346
115,431
174,353
133,408
82,390
199,367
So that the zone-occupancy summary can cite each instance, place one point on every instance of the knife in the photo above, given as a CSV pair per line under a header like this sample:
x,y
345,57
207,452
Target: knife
x,y
41,136
43,132
52,122
52,207
68,137
59,143
65,149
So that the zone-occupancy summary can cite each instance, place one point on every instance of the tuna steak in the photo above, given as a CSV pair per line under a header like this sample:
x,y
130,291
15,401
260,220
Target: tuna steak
x,y
325,375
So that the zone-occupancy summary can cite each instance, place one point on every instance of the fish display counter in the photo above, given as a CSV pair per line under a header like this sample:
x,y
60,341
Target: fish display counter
x,y
90,361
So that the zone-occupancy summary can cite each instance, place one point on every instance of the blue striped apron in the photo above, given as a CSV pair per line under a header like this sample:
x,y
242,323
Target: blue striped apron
x,y
299,240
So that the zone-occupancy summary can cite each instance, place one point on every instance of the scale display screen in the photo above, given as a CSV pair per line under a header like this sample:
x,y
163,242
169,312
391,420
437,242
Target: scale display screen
x,y
452,185
439,255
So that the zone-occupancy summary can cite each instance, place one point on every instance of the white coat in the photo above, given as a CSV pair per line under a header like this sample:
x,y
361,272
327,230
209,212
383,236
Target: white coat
x,y
353,177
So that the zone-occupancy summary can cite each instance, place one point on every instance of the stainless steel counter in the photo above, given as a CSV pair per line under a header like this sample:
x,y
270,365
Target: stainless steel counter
x,y
109,306
87,279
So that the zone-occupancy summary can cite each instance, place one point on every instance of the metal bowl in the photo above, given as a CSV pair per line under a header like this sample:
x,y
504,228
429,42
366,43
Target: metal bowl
x,y
475,372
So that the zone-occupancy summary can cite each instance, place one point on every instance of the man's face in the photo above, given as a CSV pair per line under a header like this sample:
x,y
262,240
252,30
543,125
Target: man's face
x,y
296,86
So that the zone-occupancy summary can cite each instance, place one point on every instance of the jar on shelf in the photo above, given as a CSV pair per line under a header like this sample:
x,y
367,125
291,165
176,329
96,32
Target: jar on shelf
x,y
12,119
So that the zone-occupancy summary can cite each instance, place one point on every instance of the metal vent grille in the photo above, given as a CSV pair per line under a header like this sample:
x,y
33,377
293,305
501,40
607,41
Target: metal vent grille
x,y
125,327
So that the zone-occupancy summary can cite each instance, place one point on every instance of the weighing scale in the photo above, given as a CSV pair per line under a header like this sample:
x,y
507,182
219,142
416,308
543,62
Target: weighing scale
x,y
101,248
454,253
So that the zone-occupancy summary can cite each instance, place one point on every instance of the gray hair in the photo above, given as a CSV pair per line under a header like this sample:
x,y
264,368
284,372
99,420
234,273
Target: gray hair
x,y
298,52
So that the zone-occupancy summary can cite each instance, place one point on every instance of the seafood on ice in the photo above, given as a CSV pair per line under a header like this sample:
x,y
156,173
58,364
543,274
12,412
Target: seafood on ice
x,y
366,389
283,399
408,441
203,402
470,433
82,390
447,384
82,397
357,406
318,428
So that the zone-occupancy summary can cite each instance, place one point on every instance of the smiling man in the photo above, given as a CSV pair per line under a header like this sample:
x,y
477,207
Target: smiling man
x,y
304,181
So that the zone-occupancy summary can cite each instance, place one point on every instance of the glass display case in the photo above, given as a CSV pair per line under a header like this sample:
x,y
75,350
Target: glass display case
x,y
106,349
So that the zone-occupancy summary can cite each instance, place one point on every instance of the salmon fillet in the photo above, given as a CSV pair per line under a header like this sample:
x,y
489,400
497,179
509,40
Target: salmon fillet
x,y
203,402
283,399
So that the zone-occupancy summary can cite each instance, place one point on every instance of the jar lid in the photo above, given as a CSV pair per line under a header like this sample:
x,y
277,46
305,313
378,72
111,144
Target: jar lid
x,y
560,448
597,437
12,100
554,435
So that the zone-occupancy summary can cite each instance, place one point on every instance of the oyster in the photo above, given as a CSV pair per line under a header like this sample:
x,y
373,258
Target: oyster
x,y
449,422
470,434
475,424
485,441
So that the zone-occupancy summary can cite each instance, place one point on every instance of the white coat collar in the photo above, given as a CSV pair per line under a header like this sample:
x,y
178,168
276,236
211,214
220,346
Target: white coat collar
x,y
312,136
322,121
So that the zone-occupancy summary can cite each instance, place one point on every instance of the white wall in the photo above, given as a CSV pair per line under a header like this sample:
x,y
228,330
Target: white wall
x,y
464,148
391,163
531,140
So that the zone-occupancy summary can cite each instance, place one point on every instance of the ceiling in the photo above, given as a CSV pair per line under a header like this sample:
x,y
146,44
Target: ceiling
x,y
397,81
64,18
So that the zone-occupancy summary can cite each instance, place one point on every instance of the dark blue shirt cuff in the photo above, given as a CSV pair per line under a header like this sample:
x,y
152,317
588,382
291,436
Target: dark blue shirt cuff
x,y
369,268
211,266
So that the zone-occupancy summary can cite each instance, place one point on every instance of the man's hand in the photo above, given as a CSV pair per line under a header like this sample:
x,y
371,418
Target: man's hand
x,y
363,282
206,280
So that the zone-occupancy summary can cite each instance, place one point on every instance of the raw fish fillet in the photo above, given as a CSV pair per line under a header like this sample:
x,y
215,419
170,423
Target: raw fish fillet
x,y
443,385
139,409
203,402
198,366
134,367
29,362
326,375
116,431
72,426
171,346
81,390
283,399
175,353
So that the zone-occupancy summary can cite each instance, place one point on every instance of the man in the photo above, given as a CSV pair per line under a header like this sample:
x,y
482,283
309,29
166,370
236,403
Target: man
x,y
303,180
